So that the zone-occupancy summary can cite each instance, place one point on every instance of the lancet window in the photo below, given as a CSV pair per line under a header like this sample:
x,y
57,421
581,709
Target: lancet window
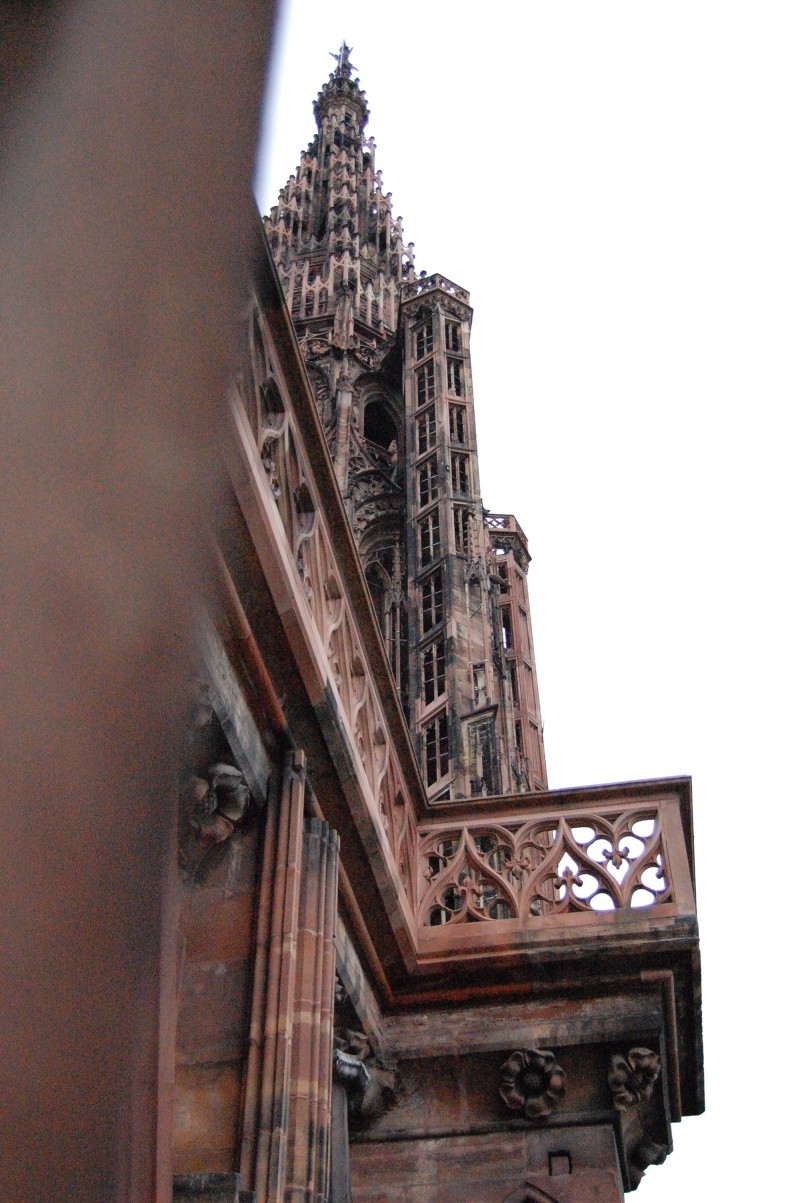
x,y
455,377
426,432
437,748
423,339
452,336
459,467
425,383
430,539
428,475
458,423
461,529
433,662
432,591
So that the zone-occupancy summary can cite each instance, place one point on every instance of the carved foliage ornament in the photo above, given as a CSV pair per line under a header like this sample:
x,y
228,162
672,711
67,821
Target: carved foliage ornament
x,y
632,1078
532,1082
216,803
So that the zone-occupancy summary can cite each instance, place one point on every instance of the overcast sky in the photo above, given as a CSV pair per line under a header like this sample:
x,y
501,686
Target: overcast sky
x,y
617,185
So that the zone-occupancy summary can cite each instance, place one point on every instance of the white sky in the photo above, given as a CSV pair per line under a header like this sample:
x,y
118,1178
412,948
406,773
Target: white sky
x,y
617,185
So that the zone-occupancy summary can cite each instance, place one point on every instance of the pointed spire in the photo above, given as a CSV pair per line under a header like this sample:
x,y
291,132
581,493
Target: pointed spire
x,y
342,92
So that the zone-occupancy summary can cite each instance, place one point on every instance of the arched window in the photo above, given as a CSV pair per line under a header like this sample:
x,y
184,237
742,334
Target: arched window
x,y
379,426
378,585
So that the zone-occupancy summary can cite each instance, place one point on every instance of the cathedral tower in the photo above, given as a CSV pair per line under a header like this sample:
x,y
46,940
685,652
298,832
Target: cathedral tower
x,y
387,354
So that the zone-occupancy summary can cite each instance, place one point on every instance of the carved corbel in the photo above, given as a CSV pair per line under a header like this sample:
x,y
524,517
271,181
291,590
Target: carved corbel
x,y
632,1078
645,1154
372,1088
532,1082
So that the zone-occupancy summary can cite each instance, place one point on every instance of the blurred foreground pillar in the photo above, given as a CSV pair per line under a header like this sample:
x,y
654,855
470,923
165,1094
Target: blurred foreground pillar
x,y
128,134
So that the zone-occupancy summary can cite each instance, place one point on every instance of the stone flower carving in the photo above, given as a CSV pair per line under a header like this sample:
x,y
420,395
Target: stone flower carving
x,y
532,1082
216,803
632,1078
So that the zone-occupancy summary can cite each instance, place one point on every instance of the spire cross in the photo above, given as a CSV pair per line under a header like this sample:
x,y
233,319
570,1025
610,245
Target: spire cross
x,y
343,64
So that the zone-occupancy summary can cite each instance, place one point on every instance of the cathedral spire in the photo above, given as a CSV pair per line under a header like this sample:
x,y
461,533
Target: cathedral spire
x,y
338,247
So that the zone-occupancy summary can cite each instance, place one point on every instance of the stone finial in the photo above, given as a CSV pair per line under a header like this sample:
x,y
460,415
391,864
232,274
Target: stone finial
x,y
532,1082
632,1078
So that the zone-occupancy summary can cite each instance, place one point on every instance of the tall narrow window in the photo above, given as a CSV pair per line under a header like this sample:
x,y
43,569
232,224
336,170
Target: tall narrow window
x,y
430,541
433,671
455,377
483,755
505,621
428,475
432,591
452,336
437,749
458,425
459,468
461,529
502,572
512,675
426,432
423,339
425,388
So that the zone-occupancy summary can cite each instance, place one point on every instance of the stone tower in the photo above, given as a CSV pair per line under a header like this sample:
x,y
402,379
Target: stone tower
x,y
388,356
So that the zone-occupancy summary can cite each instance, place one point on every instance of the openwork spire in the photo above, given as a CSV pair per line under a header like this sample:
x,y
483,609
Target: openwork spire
x,y
337,245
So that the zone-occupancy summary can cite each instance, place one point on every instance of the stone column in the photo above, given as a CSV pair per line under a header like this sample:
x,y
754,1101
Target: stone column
x,y
278,1023
308,1133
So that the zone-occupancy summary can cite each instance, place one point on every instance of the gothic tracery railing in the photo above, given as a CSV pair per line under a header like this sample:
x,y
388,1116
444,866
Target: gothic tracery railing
x,y
291,484
531,867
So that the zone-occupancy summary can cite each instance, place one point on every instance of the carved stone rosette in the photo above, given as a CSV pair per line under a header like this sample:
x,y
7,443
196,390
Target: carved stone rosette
x,y
532,1082
216,803
632,1078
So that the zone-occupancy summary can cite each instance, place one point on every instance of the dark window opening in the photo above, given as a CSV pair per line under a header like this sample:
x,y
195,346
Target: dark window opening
x,y
452,336
508,634
461,529
426,432
460,473
423,339
483,755
378,425
455,377
458,424
377,589
433,671
432,591
428,480
430,542
437,749
425,385
512,676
